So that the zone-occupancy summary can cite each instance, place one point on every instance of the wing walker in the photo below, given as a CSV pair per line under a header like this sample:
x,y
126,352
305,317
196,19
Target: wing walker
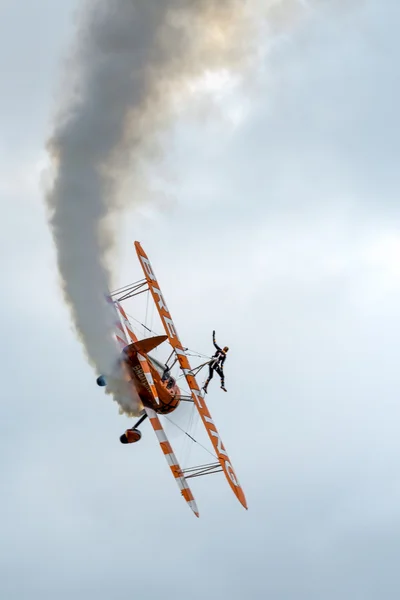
x,y
158,391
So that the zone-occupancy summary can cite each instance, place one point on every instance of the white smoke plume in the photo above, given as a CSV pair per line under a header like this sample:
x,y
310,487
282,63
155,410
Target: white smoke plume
x,y
130,60
131,63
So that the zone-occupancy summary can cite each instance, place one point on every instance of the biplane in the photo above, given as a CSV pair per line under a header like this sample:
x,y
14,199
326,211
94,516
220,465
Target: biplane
x,y
158,390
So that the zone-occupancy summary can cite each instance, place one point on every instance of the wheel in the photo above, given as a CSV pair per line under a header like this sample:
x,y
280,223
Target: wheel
x,y
101,381
130,436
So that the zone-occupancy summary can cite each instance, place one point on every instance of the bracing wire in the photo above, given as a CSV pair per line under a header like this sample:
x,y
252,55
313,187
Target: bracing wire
x,y
147,311
189,352
192,438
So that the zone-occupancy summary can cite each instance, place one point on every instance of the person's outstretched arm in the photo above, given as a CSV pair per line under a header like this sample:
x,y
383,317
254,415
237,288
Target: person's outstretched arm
x,y
214,342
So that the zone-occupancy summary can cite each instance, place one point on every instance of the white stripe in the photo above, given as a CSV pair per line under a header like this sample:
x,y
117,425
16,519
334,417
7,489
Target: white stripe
x,y
180,481
149,378
183,483
171,460
121,342
124,318
161,435
128,326
193,506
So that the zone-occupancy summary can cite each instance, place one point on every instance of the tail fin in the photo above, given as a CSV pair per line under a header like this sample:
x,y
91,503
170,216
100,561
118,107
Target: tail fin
x,y
148,344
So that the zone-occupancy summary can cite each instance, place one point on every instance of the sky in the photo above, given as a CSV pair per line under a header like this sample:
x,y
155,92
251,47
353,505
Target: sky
x,y
270,214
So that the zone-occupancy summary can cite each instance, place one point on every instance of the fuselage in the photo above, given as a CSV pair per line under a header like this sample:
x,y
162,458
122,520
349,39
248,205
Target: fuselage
x,y
167,390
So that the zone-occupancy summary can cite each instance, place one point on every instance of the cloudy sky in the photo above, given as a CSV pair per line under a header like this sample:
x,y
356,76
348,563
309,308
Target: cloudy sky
x,y
270,214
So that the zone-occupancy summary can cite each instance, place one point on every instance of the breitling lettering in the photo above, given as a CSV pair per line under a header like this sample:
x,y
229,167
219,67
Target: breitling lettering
x,y
215,434
169,324
160,301
142,377
147,267
231,473
198,397
221,450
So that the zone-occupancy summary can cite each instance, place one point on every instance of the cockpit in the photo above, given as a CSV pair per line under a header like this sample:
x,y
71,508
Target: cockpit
x,y
166,377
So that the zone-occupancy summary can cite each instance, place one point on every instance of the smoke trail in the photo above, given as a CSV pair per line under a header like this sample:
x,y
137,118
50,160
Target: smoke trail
x,y
131,59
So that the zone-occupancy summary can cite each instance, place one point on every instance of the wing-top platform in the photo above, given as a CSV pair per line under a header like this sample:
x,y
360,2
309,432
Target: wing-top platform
x,y
197,396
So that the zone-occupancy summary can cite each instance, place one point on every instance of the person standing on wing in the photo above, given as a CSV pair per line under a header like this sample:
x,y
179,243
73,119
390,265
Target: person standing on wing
x,y
217,364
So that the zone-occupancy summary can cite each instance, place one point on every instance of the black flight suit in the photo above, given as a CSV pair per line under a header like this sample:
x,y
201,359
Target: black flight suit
x,y
216,364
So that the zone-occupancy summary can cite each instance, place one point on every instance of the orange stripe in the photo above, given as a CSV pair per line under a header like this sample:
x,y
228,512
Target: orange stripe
x,y
176,470
166,447
131,335
156,425
187,494
122,311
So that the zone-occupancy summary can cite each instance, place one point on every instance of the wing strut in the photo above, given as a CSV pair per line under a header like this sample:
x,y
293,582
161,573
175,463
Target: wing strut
x,y
197,395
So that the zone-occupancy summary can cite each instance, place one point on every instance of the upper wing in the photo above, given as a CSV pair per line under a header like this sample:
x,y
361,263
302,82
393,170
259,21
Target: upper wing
x,y
156,423
192,383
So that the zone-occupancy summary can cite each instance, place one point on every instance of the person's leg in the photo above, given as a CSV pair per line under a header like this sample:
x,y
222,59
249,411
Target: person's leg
x,y
210,376
221,374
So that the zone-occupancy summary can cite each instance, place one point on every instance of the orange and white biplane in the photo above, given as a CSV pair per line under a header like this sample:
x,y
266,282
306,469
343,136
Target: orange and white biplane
x,y
158,391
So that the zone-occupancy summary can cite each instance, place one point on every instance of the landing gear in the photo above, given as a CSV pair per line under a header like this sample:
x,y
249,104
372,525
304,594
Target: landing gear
x,y
101,381
132,435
